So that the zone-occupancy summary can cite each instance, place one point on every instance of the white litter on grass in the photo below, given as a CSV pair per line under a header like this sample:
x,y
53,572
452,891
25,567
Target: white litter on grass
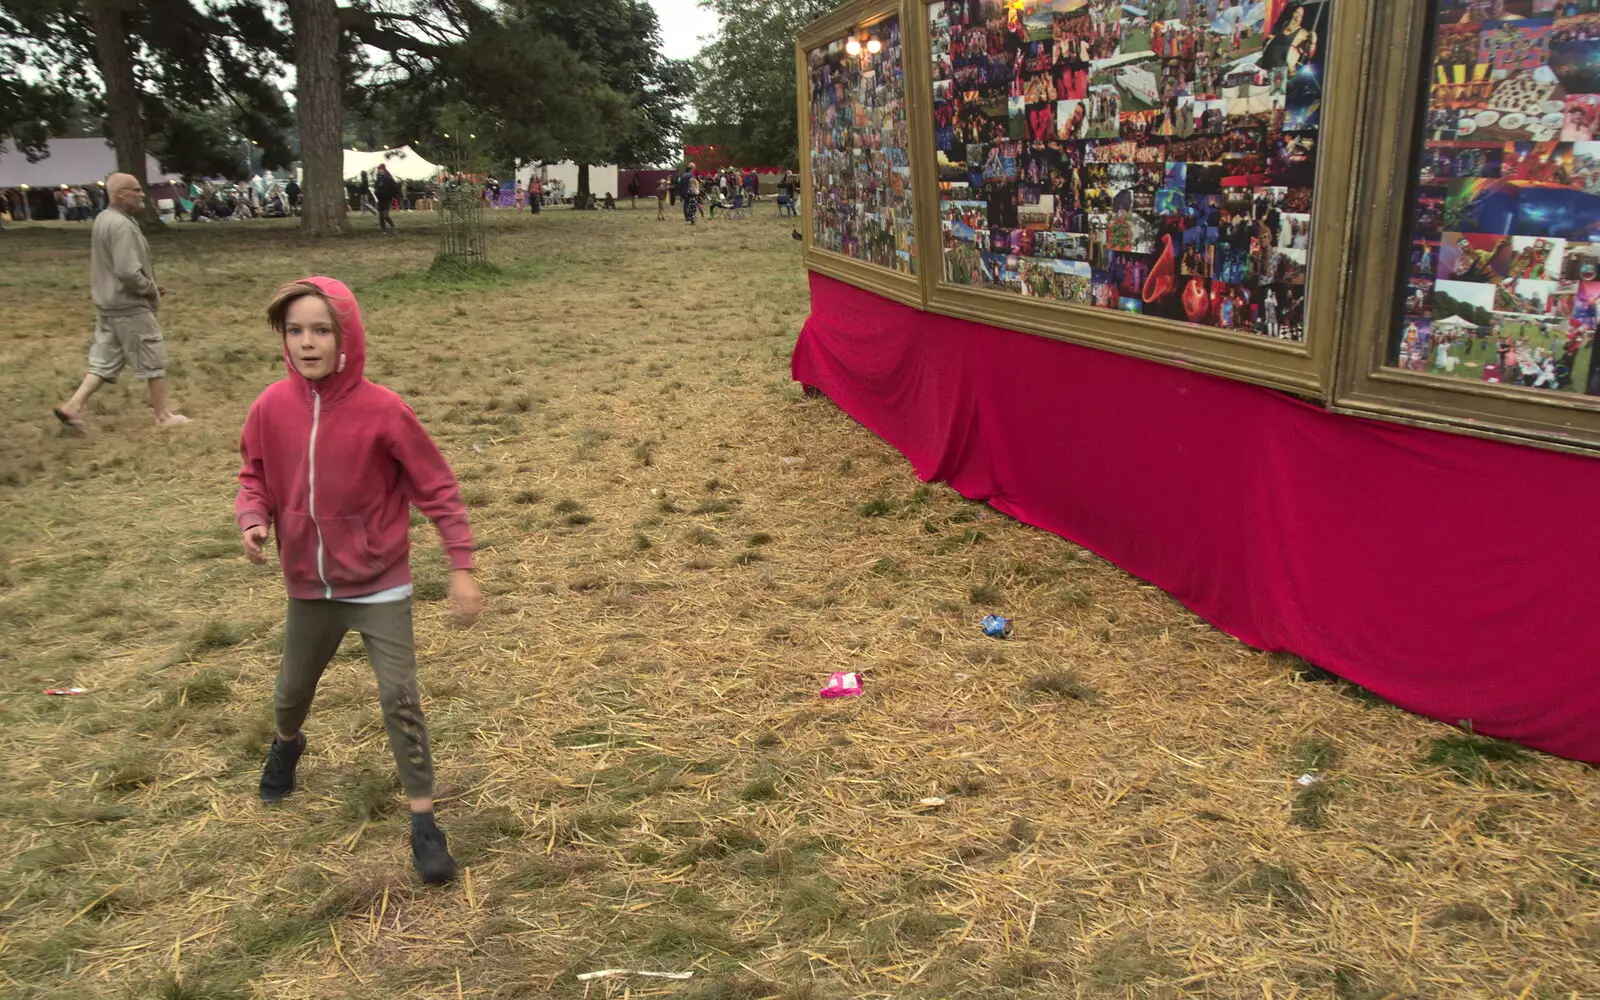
x,y
794,460
931,802
614,973
1307,780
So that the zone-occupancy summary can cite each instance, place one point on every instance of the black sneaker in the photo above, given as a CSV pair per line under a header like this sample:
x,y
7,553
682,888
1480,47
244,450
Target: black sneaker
x,y
429,854
277,778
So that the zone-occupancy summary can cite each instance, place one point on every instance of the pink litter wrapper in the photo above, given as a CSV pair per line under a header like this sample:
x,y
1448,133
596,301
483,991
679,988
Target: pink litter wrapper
x,y
842,685
60,692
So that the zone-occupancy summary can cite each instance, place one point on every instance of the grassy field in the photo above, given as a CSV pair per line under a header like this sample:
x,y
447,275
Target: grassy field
x,y
678,547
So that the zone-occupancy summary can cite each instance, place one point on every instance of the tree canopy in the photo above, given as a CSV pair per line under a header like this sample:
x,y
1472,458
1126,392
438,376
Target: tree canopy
x,y
206,75
535,80
201,82
744,98
31,111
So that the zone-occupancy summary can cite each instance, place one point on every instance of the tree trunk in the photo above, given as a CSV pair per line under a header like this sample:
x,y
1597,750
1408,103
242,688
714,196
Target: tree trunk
x,y
319,109
124,115
585,197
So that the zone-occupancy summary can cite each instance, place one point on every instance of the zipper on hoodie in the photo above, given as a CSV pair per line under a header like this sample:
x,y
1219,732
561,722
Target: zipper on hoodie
x,y
316,418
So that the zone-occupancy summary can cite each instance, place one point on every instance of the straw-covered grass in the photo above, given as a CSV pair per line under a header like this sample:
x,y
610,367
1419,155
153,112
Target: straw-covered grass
x,y
678,547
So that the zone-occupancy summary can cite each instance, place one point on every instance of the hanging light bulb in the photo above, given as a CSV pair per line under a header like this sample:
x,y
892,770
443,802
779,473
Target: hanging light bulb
x,y
874,46
853,47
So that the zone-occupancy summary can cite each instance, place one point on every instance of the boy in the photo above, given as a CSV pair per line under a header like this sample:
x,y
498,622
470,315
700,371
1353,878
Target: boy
x,y
335,462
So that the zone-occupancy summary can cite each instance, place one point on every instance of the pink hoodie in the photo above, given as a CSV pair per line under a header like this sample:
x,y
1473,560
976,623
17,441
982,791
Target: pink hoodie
x,y
336,465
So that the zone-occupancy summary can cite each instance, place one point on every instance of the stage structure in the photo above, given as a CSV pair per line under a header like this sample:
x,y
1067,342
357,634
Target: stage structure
x,y
1297,217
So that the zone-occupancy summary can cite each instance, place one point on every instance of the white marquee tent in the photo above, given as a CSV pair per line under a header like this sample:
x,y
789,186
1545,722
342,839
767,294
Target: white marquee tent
x,y
69,161
602,178
404,163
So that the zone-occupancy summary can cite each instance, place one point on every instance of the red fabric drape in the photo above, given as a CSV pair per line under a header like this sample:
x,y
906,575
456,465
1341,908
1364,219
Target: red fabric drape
x,y
1448,574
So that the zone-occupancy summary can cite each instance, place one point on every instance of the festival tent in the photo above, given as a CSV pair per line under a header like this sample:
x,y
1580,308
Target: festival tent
x,y
69,161
404,163
78,162
1454,323
602,178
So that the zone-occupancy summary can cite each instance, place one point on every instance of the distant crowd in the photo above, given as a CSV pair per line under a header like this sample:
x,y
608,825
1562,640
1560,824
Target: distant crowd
x,y
729,190
73,203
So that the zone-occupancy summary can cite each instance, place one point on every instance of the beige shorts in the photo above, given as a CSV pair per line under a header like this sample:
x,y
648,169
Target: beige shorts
x,y
133,339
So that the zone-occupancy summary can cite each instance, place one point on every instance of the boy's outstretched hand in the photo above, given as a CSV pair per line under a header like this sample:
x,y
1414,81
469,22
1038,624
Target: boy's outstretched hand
x,y
465,596
254,541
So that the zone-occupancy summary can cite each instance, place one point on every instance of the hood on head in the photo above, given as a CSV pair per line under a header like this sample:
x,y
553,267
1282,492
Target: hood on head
x,y
352,342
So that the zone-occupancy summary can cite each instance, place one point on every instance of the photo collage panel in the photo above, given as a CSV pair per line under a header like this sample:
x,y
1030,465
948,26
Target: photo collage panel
x,y
860,159
1155,157
1503,267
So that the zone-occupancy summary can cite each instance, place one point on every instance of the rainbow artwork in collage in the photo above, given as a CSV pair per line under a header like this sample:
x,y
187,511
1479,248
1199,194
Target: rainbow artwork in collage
x,y
1156,157
1503,277
860,156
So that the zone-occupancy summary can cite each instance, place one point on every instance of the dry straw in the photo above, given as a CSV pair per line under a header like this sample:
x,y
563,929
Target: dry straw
x,y
635,764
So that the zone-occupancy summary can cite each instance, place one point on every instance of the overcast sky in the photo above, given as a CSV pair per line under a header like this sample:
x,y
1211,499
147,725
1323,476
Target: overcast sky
x,y
684,23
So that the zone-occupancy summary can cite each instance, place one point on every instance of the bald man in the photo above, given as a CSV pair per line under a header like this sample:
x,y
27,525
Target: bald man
x,y
126,297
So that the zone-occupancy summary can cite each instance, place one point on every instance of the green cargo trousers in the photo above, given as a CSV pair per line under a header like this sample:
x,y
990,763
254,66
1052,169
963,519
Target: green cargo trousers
x,y
311,636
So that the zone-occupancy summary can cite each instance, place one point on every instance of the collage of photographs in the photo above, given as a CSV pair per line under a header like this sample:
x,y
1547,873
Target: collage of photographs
x,y
1155,157
860,150
1503,282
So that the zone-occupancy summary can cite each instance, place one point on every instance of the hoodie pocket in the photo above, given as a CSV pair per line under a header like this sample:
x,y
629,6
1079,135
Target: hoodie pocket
x,y
336,556
347,559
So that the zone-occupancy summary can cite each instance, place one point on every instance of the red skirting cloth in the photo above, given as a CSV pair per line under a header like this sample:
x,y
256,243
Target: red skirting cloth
x,y
1448,574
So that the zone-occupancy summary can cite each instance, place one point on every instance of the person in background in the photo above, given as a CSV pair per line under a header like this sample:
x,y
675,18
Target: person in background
x,y
610,202
633,190
686,181
292,190
535,194
122,280
752,187
791,194
387,191
520,196
62,202
663,192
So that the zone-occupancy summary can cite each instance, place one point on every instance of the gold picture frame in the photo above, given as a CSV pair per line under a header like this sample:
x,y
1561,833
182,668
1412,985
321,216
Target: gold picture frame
x,y
858,16
1366,384
1304,368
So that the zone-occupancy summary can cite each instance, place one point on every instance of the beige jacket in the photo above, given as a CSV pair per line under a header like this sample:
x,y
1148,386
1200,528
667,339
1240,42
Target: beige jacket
x,y
121,274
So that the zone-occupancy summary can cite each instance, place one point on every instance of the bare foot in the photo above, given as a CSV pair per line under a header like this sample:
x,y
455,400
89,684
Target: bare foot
x,y
172,420
72,420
